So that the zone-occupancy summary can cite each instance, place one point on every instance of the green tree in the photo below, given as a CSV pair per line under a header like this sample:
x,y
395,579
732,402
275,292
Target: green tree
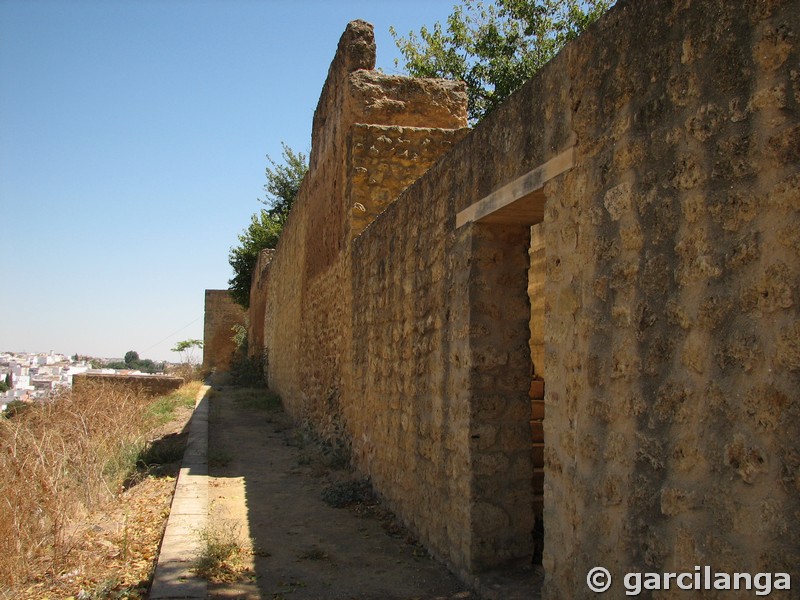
x,y
131,357
495,47
186,349
263,232
283,184
146,365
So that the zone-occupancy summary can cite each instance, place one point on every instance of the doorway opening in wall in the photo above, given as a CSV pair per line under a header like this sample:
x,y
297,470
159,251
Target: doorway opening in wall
x,y
519,205
536,278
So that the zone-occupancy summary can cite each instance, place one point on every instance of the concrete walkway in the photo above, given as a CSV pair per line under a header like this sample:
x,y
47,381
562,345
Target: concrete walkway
x,y
173,578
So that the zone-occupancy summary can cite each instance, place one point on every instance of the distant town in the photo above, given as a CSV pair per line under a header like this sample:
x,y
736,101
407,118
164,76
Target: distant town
x,y
26,377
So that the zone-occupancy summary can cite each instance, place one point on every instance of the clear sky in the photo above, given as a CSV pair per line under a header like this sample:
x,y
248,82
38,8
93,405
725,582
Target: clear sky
x,y
133,136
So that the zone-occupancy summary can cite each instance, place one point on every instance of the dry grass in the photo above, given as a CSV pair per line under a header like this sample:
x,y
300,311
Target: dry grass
x,y
60,460
221,558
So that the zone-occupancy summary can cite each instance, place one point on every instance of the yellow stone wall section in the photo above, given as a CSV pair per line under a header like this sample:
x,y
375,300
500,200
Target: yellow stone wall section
x,y
221,314
670,298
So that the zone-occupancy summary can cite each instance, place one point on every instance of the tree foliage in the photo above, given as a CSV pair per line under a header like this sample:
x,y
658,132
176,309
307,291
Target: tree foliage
x,y
495,47
263,232
186,349
133,362
283,184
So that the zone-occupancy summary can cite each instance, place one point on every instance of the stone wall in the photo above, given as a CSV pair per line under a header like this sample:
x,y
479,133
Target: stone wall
x,y
259,296
384,160
221,314
667,307
672,281
536,279
150,385
365,135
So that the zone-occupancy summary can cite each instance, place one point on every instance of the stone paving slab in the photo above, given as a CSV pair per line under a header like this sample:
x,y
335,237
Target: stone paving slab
x,y
173,578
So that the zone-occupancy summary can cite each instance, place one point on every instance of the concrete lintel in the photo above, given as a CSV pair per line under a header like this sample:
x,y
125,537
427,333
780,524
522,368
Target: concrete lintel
x,y
518,201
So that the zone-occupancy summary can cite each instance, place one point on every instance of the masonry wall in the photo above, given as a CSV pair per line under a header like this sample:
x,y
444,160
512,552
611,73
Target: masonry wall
x,y
672,257
411,412
672,281
221,314
384,160
150,385
259,297
365,136
536,278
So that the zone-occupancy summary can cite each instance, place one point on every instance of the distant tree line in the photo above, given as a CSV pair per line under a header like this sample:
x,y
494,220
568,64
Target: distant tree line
x,y
134,363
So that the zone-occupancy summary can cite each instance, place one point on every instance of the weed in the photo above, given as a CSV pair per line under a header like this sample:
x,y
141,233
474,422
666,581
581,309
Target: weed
x,y
321,454
163,408
164,451
349,493
110,590
190,373
220,556
14,408
245,370
122,463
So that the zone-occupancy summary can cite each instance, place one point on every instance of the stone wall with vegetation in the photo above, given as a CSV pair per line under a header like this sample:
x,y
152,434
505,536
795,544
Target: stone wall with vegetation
x,y
221,315
667,321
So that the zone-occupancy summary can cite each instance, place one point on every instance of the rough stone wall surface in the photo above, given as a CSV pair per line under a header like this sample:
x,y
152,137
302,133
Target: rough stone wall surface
x,y
671,334
151,385
402,101
410,410
259,296
282,317
536,279
307,324
385,160
221,314
501,500
672,296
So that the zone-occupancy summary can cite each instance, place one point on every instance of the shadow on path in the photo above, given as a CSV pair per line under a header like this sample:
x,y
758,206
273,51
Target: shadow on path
x,y
264,486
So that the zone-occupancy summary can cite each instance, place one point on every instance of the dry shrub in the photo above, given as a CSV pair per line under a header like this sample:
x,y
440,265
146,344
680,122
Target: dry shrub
x,y
221,557
188,371
57,460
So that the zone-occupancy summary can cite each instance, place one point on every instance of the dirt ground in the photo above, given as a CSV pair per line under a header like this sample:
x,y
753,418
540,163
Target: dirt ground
x,y
267,480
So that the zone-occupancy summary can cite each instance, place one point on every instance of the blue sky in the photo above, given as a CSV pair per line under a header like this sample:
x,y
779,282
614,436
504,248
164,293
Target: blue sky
x,y
133,137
